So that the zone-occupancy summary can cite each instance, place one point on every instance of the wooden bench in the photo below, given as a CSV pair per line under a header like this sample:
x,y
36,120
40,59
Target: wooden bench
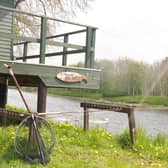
x,y
111,107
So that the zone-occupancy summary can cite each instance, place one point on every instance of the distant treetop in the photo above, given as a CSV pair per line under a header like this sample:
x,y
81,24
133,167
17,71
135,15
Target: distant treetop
x,y
56,8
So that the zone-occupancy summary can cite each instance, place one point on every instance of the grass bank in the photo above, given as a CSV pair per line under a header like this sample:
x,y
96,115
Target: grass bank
x,y
76,93
150,100
93,149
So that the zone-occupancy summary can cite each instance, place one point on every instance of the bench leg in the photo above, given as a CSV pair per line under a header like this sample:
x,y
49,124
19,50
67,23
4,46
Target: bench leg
x,y
132,127
86,119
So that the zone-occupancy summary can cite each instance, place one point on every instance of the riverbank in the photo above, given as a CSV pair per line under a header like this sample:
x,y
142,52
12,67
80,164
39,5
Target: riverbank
x,y
91,149
139,101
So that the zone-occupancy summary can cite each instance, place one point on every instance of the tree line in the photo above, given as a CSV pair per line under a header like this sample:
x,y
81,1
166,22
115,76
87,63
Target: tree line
x,y
127,77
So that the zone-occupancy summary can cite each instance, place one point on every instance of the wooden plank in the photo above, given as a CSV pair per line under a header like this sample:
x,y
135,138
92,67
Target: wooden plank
x,y
48,74
4,54
52,54
5,58
7,3
10,36
5,23
6,47
4,50
4,39
67,45
25,80
4,30
36,40
6,26
65,34
107,106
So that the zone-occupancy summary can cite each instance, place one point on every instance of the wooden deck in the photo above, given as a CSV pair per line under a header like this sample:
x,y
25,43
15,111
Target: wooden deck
x,y
31,74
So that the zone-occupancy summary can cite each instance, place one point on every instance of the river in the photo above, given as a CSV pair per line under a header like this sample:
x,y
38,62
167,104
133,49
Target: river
x,y
154,121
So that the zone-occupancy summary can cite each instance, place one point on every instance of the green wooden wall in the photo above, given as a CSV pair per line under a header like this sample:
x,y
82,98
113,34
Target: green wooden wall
x,y
6,26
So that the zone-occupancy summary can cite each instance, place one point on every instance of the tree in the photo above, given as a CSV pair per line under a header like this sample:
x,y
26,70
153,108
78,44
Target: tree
x,y
56,8
62,9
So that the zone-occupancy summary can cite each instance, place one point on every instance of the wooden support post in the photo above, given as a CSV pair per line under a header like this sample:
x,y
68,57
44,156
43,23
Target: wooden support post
x,y
3,93
42,96
132,128
86,119
64,56
25,47
43,39
90,47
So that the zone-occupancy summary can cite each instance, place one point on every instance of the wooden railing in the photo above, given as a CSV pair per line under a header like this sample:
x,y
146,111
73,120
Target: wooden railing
x,y
43,40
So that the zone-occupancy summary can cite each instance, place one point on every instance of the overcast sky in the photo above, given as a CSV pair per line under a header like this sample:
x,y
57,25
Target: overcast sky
x,y
137,29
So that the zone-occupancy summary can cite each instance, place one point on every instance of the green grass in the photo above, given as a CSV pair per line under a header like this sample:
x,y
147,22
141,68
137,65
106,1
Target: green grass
x,y
92,149
151,100
17,109
76,93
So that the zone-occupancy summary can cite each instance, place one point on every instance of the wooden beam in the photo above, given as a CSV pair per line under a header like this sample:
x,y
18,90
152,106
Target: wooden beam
x,y
37,40
64,34
53,54
43,39
67,45
47,74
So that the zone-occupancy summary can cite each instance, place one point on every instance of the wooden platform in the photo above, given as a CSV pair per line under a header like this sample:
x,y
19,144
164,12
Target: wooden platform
x,y
30,75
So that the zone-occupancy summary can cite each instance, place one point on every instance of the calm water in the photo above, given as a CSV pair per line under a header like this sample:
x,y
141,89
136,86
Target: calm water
x,y
154,121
